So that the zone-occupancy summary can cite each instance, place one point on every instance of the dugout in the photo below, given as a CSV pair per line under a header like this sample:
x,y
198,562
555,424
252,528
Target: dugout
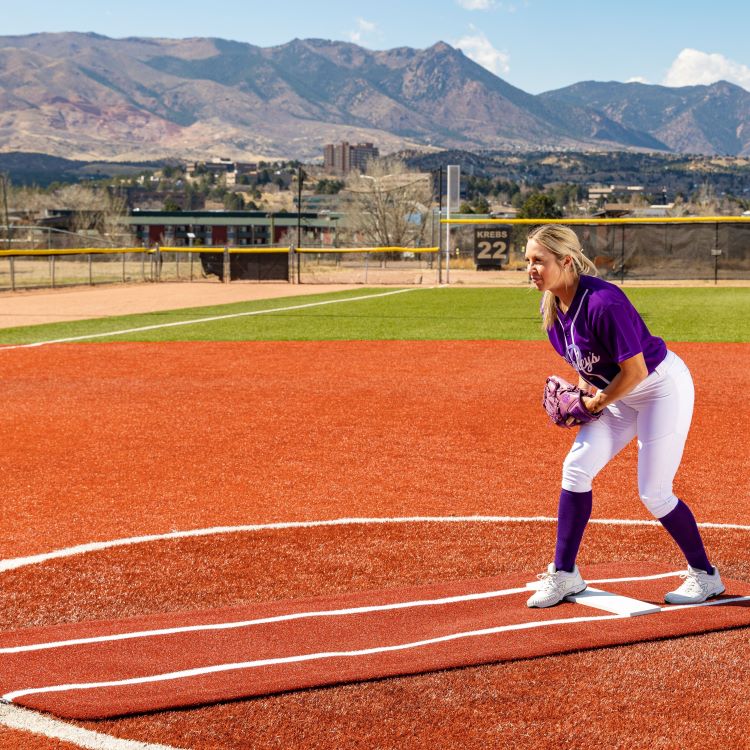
x,y
248,266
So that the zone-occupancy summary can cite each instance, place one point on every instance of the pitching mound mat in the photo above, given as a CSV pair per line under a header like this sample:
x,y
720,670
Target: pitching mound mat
x,y
91,670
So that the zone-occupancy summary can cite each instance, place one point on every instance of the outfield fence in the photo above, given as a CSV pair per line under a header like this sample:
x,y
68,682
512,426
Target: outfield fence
x,y
370,265
695,248
709,248
38,268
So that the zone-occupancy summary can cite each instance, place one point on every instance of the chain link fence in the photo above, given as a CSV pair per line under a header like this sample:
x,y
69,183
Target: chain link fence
x,y
622,250
680,250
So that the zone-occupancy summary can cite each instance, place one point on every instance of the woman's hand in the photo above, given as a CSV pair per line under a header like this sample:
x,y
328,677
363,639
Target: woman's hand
x,y
593,403
633,371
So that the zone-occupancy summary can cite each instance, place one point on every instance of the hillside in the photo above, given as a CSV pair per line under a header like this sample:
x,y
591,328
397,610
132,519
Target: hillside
x,y
89,97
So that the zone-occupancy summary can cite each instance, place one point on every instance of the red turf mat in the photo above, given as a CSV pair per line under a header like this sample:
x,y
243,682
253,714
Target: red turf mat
x,y
313,642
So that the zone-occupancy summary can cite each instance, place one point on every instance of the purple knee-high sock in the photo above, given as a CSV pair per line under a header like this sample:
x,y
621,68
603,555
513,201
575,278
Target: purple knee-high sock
x,y
573,514
680,523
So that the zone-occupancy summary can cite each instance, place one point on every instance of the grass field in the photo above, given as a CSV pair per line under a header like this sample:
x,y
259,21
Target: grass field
x,y
675,314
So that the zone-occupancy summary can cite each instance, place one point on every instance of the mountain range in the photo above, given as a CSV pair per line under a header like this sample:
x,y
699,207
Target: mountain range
x,y
86,96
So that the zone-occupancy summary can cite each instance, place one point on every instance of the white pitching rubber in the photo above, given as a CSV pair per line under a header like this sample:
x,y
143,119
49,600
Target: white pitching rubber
x,y
604,600
614,603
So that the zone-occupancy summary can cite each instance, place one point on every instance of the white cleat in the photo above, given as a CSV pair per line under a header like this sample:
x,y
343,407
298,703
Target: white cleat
x,y
696,588
555,586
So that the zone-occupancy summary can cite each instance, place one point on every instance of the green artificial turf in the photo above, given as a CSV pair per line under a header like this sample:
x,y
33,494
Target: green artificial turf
x,y
675,314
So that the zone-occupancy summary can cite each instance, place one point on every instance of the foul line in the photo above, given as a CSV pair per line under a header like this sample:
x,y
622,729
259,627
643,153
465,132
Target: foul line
x,y
208,320
25,720
19,562
238,666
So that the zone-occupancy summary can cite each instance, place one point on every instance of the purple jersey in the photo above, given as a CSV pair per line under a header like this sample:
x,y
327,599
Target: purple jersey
x,y
600,329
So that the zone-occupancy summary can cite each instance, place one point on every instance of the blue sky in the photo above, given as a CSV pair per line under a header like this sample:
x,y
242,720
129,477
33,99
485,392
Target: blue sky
x,y
537,45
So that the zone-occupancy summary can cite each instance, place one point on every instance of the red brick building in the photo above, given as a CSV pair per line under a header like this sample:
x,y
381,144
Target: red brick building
x,y
345,157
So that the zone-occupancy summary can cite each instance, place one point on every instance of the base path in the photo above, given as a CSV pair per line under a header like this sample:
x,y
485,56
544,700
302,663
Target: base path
x,y
100,669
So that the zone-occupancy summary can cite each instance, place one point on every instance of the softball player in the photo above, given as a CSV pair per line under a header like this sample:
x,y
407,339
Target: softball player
x,y
644,389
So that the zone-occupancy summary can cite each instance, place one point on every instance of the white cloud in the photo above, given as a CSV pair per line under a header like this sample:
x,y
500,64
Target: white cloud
x,y
476,46
637,79
693,67
363,27
476,4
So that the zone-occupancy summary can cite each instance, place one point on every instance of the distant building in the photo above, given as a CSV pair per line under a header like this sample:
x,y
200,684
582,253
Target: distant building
x,y
232,228
345,157
232,169
604,192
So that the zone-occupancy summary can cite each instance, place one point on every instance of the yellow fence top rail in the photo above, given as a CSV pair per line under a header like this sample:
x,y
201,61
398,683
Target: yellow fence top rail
x,y
632,220
249,249
220,249
384,249
76,251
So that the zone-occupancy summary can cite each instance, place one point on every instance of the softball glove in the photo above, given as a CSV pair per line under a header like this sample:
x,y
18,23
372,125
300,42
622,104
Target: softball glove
x,y
563,402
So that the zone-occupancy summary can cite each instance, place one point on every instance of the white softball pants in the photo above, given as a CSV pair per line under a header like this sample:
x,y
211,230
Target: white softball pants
x,y
658,411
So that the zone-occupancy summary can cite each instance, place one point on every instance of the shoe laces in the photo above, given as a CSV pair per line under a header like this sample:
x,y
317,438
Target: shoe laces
x,y
693,582
551,582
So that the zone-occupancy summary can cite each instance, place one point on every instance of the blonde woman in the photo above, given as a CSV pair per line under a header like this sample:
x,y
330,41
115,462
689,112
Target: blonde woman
x,y
644,390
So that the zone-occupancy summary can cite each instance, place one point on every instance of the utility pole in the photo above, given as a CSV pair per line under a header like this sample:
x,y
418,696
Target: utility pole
x,y
4,180
300,179
440,226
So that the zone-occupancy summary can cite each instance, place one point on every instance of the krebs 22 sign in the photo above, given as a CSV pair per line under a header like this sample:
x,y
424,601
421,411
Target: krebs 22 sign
x,y
491,245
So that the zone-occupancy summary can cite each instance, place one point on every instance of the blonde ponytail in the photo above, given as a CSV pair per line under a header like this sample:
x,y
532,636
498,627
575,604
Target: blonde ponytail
x,y
562,242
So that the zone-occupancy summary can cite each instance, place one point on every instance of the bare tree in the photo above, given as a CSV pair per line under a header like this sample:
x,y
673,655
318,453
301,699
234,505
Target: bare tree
x,y
94,209
389,205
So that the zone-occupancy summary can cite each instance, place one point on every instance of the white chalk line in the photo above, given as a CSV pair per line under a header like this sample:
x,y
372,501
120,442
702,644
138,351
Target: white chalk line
x,y
129,635
265,620
211,319
80,549
135,634
240,666
25,720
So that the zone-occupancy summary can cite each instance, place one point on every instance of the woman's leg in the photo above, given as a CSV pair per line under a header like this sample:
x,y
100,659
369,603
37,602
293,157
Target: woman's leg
x,y
596,444
573,513
665,409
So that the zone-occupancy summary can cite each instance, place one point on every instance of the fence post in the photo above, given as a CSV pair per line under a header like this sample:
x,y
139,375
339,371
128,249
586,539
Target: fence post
x,y
227,267
717,253
52,269
12,273
158,263
91,270
124,255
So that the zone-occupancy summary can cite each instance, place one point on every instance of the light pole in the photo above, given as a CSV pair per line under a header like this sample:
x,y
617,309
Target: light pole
x,y
300,180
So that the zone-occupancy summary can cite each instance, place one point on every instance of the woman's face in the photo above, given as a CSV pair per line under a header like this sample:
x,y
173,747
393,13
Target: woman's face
x,y
546,272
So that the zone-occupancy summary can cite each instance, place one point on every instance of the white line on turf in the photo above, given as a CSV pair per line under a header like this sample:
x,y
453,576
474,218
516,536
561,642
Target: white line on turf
x,y
24,720
211,319
25,648
267,620
301,615
80,549
215,668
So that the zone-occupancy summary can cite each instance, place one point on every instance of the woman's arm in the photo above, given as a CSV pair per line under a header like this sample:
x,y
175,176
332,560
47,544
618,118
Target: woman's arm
x,y
632,372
